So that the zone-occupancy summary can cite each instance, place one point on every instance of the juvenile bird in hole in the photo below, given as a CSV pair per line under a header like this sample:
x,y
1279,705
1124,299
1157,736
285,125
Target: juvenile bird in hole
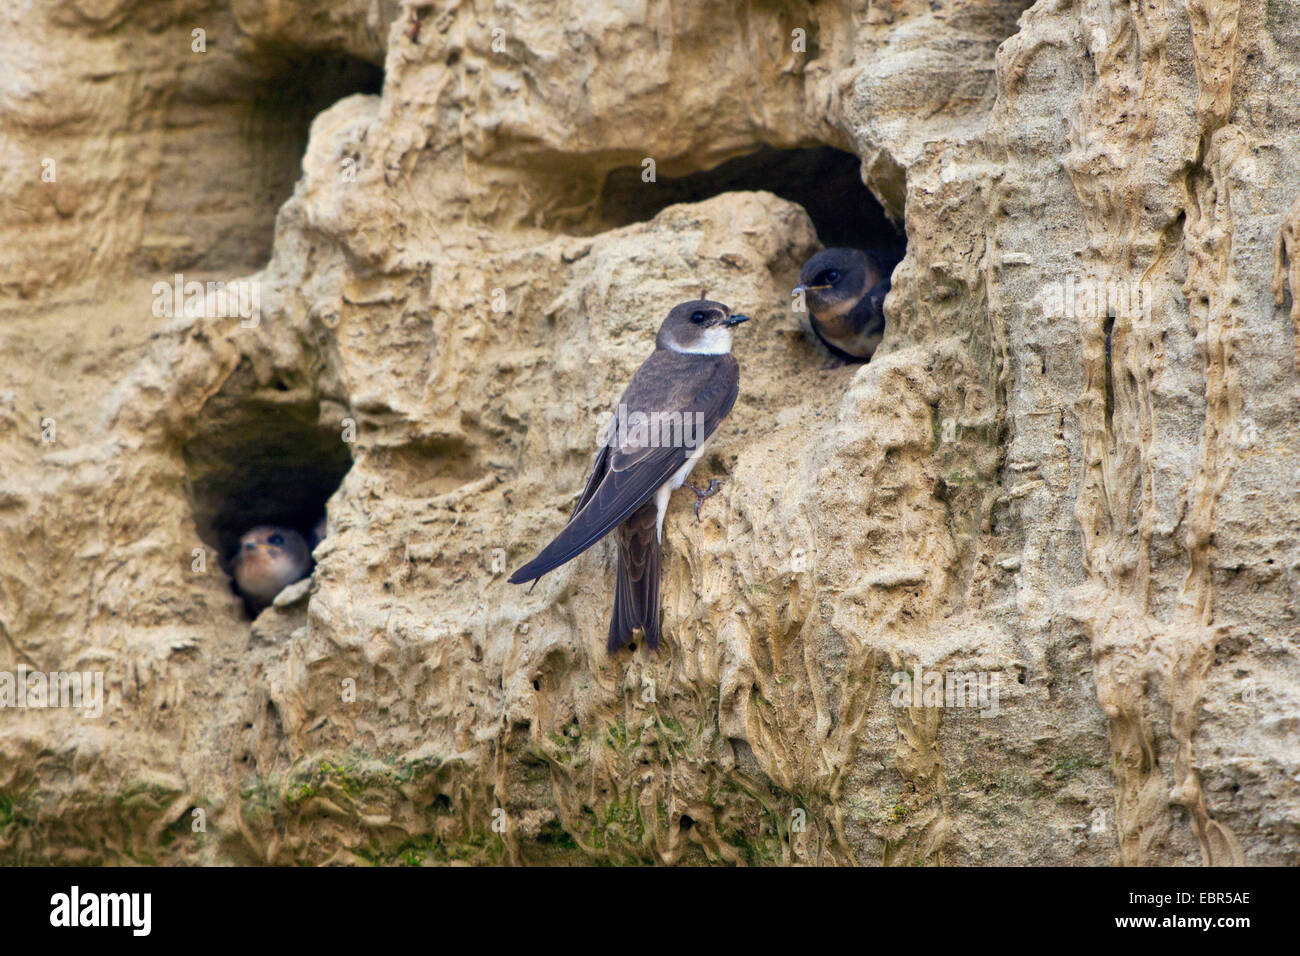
x,y
270,558
690,378
845,293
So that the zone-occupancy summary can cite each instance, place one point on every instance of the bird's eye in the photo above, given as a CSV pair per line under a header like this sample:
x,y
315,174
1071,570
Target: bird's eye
x,y
697,317
275,539
829,277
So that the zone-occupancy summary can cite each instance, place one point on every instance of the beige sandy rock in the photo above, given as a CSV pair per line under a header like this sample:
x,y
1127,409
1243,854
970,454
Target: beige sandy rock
x,y
1094,514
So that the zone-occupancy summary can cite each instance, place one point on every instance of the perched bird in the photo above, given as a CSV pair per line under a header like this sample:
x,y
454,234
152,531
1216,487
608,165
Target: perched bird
x,y
691,378
845,292
268,561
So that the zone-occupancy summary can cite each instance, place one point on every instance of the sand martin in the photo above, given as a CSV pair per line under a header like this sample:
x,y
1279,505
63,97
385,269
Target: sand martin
x,y
845,292
661,427
268,561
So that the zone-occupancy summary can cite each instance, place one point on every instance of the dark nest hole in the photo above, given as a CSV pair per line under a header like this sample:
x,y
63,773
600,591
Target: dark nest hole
x,y
827,182
296,87
289,91
261,459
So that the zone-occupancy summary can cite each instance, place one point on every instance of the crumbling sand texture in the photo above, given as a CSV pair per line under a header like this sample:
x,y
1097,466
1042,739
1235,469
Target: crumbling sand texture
x,y
1099,511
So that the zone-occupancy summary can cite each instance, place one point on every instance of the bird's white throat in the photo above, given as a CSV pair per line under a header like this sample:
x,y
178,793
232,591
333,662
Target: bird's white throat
x,y
714,341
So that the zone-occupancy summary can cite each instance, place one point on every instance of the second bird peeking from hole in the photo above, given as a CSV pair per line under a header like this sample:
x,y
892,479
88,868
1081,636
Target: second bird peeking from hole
x,y
844,290
269,559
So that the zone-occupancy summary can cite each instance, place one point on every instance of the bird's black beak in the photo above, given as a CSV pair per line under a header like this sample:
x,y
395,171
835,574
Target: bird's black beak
x,y
736,320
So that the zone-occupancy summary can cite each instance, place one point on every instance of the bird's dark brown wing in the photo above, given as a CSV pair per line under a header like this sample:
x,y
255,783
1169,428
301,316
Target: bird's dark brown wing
x,y
666,382
593,480
868,316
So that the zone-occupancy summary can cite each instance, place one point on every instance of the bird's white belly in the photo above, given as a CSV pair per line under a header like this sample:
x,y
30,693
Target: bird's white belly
x,y
672,484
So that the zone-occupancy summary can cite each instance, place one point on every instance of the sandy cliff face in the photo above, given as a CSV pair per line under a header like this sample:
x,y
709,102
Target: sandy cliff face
x,y
1070,472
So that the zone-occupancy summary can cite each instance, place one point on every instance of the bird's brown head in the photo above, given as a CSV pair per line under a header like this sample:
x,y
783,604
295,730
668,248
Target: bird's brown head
x,y
269,559
700,326
835,280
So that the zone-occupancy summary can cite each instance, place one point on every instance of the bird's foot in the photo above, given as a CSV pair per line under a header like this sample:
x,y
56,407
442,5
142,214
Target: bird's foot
x,y
714,485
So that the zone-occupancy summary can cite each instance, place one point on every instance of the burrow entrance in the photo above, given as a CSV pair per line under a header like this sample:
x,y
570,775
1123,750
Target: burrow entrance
x,y
247,119
826,181
261,455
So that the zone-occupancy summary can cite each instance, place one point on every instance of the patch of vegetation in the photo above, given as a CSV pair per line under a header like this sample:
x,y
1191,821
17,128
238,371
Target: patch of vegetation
x,y
479,846
1067,768
180,827
678,741
141,794
356,774
758,838
260,796
553,834
15,810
